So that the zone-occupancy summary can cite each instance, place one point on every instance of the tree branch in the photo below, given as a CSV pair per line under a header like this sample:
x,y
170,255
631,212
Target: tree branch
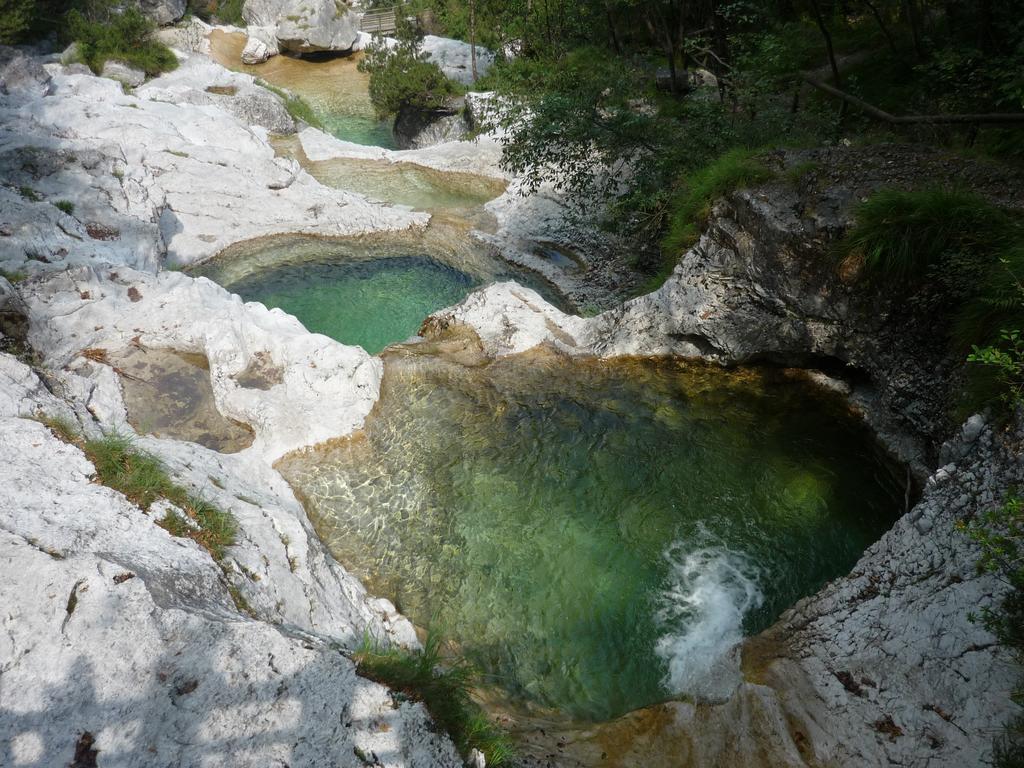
x,y
875,112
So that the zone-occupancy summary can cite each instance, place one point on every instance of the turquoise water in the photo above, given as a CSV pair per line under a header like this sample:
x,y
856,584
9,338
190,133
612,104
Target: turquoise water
x,y
596,535
368,303
359,129
334,88
371,291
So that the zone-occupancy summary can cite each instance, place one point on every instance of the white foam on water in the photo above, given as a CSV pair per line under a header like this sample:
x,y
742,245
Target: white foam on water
x,y
708,591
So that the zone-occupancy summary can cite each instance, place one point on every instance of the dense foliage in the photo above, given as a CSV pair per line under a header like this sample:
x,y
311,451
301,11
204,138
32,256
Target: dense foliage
x,y
103,32
957,256
402,78
15,20
656,90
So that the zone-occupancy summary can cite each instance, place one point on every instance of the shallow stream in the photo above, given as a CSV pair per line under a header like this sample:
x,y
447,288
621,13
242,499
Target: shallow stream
x,y
335,89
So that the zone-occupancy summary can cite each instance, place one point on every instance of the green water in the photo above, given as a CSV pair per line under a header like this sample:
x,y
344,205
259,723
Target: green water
x,y
334,88
367,303
371,291
596,535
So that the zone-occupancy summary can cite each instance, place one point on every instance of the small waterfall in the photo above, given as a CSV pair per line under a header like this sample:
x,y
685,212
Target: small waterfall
x,y
709,590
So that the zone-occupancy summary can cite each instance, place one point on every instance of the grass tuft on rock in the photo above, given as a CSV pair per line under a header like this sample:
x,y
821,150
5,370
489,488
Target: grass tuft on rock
x,y
61,426
297,107
443,686
142,478
901,235
691,207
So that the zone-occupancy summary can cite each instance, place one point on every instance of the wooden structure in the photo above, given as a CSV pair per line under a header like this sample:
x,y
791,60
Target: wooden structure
x,y
379,22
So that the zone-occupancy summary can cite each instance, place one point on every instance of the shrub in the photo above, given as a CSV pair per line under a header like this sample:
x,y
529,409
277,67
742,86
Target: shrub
x,y
66,206
902,235
443,687
105,33
15,19
401,78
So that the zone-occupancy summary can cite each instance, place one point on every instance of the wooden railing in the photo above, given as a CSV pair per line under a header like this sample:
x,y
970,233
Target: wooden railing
x,y
380,22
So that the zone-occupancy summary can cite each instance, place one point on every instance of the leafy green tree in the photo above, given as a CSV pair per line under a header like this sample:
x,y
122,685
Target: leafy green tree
x,y
15,19
401,77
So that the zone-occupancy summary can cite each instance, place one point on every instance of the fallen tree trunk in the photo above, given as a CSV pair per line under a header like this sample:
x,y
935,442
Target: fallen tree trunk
x,y
998,117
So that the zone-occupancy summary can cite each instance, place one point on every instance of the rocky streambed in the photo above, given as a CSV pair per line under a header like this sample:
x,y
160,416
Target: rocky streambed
x,y
125,640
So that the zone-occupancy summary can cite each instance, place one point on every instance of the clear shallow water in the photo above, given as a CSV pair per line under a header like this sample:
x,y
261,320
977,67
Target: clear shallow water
x,y
367,303
416,186
596,534
371,291
335,89
169,394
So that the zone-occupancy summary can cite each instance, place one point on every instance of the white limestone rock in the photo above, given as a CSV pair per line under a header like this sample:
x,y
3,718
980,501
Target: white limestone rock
x,y
306,26
114,628
311,26
262,13
481,157
454,57
510,319
153,179
201,82
22,74
163,11
260,45
318,389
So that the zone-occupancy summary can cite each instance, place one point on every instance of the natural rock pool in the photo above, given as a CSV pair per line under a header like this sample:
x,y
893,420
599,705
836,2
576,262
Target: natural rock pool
x,y
168,393
368,291
335,89
595,534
